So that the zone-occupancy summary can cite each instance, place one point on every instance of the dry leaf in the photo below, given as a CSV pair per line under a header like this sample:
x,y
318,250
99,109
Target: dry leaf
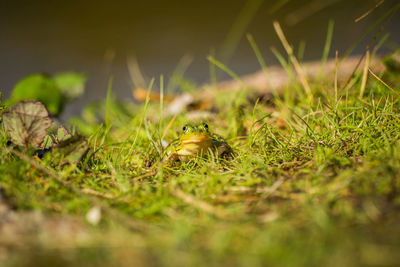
x,y
140,94
26,123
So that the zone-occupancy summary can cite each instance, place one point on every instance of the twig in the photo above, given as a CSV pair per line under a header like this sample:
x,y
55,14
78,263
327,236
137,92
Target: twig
x,y
297,67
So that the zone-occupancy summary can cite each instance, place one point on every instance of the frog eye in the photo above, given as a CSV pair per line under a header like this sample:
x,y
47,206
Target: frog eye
x,y
186,128
205,125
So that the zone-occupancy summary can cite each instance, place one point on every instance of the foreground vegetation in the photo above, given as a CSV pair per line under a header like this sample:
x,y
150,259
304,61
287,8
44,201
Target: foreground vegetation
x,y
312,182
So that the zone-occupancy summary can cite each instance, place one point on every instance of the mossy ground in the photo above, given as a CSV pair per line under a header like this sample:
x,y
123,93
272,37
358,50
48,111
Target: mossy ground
x,y
311,183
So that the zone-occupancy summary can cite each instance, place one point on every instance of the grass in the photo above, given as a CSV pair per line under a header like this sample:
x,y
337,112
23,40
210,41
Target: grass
x,y
312,183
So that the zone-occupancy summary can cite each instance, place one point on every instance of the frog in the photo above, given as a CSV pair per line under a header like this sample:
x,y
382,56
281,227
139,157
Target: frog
x,y
196,140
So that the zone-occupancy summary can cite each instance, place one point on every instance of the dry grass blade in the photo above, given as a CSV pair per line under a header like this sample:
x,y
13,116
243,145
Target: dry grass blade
x,y
369,11
365,74
204,206
168,126
135,73
296,64
385,84
149,174
275,186
336,76
260,190
279,78
384,19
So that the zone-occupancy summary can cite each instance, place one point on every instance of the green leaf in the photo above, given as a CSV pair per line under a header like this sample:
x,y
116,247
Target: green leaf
x,y
26,124
51,140
48,142
62,134
71,84
39,87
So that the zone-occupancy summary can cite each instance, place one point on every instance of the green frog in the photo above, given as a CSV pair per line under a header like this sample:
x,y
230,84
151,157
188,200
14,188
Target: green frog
x,y
196,140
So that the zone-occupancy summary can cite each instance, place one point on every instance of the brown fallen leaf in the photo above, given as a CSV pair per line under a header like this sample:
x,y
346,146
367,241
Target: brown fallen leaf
x,y
140,94
26,123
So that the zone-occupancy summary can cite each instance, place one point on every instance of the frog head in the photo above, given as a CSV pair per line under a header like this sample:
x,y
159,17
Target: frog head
x,y
195,133
195,139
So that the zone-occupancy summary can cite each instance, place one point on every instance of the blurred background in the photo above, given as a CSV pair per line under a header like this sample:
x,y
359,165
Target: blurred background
x,y
98,37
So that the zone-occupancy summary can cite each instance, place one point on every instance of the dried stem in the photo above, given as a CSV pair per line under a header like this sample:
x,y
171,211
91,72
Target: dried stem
x,y
296,64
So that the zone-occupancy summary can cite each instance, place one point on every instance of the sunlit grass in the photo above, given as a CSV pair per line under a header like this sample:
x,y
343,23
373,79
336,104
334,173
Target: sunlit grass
x,y
314,183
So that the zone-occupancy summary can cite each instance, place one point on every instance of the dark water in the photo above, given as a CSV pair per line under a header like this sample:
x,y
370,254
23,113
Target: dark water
x,y
96,37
